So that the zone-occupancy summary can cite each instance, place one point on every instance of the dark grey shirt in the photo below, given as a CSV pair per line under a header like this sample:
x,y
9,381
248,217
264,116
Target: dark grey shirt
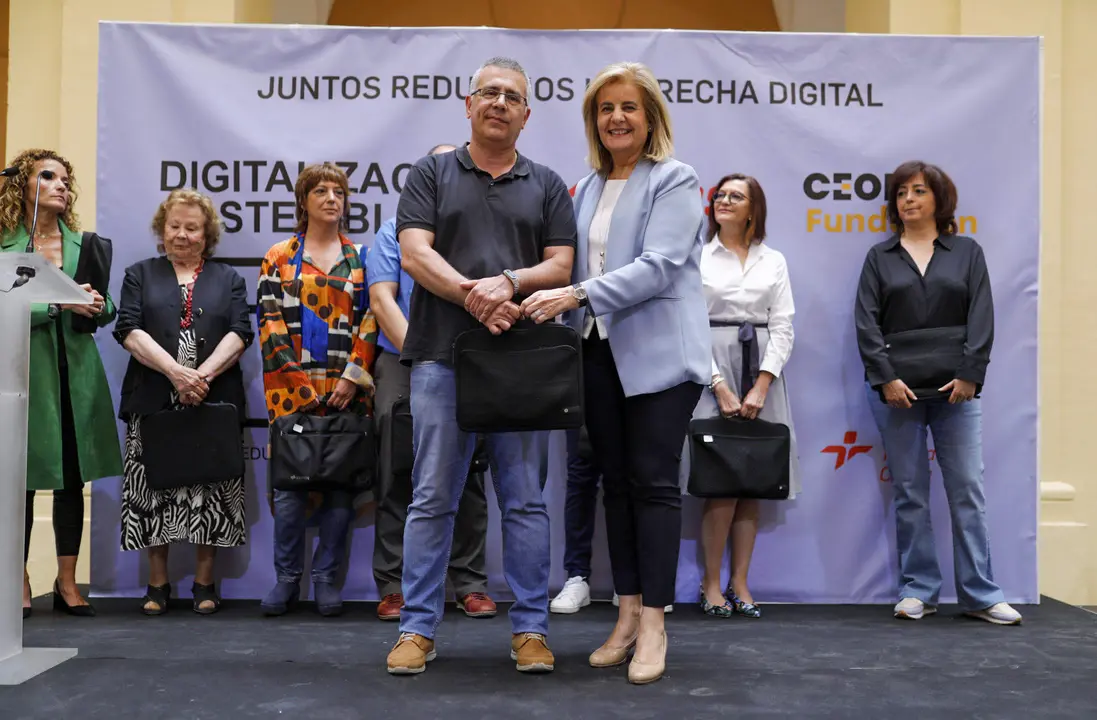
x,y
482,226
894,297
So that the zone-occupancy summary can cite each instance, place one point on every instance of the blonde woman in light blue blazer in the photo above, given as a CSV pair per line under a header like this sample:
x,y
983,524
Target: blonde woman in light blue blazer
x,y
637,303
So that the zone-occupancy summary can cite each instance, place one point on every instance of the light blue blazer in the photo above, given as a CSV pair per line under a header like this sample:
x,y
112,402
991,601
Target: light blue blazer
x,y
650,297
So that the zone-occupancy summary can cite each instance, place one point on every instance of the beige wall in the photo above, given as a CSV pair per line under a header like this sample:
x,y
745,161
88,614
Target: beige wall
x,y
54,50
52,56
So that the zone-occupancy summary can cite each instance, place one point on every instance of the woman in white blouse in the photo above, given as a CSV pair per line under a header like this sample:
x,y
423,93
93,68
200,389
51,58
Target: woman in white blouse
x,y
749,300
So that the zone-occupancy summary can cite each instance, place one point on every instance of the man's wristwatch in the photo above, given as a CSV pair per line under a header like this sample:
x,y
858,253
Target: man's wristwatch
x,y
580,294
53,311
510,275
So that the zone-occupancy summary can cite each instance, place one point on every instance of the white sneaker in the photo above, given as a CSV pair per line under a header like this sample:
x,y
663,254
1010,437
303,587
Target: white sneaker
x,y
913,609
617,603
574,595
999,614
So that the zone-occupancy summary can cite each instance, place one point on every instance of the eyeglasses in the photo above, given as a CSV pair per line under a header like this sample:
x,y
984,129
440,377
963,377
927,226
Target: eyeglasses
x,y
731,197
491,95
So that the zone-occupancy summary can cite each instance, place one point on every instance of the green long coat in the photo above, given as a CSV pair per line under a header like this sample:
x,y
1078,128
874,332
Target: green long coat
x,y
92,408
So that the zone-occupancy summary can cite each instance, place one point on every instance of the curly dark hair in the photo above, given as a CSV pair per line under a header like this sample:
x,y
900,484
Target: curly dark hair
x,y
11,196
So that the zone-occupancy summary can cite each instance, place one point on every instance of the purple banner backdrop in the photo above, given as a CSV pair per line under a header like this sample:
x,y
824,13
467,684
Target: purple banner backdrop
x,y
819,119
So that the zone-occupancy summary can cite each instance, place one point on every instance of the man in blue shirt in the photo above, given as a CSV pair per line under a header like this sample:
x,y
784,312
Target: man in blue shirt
x,y
390,299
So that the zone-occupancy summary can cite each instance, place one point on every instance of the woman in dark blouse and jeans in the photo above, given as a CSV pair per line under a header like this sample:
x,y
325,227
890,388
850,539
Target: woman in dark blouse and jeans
x,y
925,326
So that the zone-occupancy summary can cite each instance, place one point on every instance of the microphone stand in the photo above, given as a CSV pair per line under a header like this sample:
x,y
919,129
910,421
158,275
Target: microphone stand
x,y
24,274
48,175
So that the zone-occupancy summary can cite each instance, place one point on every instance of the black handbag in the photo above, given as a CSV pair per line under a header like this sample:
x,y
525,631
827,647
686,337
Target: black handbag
x,y
93,268
738,458
401,448
926,359
528,378
322,452
193,445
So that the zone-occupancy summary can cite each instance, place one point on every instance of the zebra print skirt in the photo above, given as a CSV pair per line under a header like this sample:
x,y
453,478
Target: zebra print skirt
x,y
202,515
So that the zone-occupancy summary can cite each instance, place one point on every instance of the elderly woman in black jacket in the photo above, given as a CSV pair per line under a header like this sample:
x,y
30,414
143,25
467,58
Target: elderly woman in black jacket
x,y
184,319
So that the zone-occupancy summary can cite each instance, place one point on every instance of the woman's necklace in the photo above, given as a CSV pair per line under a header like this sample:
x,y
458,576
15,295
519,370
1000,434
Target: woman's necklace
x,y
40,240
188,309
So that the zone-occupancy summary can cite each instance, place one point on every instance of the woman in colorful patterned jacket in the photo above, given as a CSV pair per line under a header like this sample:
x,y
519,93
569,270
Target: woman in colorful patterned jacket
x,y
318,340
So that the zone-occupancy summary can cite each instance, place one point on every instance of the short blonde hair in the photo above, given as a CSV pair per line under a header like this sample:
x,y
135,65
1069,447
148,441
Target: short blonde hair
x,y
187,196
660,145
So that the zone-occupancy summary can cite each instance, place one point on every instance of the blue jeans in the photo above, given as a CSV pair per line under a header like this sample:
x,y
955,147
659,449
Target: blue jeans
x,y
519,469
580,509
289,535
957,437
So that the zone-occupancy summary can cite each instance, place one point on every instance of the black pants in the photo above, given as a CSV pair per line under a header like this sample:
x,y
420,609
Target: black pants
x,y
638,445
68,502
580,507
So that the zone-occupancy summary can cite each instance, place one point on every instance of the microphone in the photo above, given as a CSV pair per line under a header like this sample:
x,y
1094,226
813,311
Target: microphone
x,y
10,172
24,275
48,175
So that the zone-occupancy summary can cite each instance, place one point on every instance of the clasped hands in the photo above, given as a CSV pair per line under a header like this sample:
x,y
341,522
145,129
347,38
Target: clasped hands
x,y
730,405
490,301
190,385
898,395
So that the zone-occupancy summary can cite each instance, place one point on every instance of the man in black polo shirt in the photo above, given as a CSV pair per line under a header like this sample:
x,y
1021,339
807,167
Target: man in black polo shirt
x,y
479,228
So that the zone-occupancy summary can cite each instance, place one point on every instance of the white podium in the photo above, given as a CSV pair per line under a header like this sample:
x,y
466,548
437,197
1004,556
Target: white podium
x,y
49,285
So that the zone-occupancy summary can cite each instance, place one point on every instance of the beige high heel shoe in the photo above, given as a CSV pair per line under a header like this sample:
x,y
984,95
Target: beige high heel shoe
x,y
643,673
607,656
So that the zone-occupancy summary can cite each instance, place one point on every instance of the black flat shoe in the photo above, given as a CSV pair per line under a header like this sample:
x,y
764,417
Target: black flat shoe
x,y
77,610
159,595
205,593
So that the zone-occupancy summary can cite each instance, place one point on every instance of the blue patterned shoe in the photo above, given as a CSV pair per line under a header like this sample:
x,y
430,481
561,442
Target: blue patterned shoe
x,y
745,609
720,611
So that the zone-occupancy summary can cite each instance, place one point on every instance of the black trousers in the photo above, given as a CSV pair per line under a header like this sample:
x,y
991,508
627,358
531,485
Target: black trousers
x,y
68,502
638,445
580,506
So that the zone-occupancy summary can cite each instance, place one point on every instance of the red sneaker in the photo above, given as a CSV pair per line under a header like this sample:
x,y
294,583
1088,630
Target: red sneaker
x,y
389,607
477,605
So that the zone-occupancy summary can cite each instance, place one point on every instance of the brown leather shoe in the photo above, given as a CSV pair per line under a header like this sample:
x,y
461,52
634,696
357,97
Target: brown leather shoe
x,y
477,605
532,653
389,607
410,655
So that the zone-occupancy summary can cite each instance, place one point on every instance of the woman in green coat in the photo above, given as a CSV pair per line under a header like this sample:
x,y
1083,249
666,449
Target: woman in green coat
x,y
68,388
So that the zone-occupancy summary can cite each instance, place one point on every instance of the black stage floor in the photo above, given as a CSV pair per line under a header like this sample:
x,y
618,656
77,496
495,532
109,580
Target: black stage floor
x,y
799,660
